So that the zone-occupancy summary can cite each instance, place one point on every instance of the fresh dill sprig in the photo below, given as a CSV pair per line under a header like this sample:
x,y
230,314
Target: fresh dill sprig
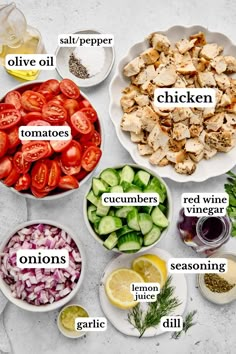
x,y
188,323
163,306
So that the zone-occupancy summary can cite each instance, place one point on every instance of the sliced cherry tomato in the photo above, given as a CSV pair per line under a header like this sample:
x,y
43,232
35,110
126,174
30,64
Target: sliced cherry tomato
x,y
4,106
54,113
59,145
33,101
69,88
12,178
70,170
87,144
60,98
14,98
84,104
54,173
81,175
90,158
35,150
4,143
21,165
96,138
41,193
47,94
39,175
52,85
32,116
23,183
90,113
38,123
5,167
85,138
50,150
13,137
9,118
72,155
81,123
71,106
68,182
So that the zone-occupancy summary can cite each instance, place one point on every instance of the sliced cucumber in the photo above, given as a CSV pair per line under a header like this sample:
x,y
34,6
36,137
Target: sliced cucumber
x,y
98,187
102,210
110,176
111,241
141,179
116,189
132,220
124,230
92,198
147,209
133,189
152,236
111,212
127,174
159,218
123,211
125,185
129,242
90,209
145,223
109,224
95,217
95,225
157,187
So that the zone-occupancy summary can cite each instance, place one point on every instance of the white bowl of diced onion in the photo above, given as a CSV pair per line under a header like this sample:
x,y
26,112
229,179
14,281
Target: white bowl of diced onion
x,y
41,290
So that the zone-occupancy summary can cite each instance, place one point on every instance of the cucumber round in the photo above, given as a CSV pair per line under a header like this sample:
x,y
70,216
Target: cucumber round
x,y
108,224
110,176
152,236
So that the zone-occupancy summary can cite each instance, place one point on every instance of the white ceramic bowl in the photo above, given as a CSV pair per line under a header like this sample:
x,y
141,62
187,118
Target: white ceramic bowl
x,y
63,54
66,332
57,304
28,86
221,162
169,215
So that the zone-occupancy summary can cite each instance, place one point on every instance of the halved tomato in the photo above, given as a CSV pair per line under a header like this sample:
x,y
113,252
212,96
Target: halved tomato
x,y
69,88
4,106
52,85
96,138
5,167
54,173
71,156
41,193
59,145
70,170
12,178
35,150
81,123
87,144
33,101
71,106
32,116
14,98
39,175
4,143
9,118
54,113
23,183
84,104
68,182
90,113
13,137
81,175
21,165
90,158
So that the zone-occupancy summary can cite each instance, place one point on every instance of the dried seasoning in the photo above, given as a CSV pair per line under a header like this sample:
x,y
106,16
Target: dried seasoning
x,y
76,68
217,284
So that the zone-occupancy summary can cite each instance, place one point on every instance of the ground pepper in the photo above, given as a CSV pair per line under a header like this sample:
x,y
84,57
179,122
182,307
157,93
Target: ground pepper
x,y
217,284
76,68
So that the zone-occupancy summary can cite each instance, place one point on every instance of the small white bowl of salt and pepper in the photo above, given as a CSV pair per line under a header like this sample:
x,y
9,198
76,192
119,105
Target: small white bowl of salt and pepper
x,y
86,66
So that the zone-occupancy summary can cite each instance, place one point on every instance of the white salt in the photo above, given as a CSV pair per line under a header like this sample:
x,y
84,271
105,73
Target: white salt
x,y
92,58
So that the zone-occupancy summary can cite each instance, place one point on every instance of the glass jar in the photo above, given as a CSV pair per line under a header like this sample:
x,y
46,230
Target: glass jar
x,y
204,234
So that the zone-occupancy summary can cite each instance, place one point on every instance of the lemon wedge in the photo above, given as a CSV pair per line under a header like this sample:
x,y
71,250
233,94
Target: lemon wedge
x,y
118,287
152,268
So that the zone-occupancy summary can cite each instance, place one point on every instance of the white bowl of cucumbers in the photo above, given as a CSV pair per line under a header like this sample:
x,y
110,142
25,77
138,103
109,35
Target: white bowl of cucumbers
x,y
127,229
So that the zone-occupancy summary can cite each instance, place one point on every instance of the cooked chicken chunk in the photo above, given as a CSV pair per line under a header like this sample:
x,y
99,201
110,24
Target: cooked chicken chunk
x,y
215,122
131,122
166,75
144,149
157,138
157,156
146,74
231,63
222,81
219,64
187,167
176,157
184,45
210,51
180,131
194,146
150,56
160,42
133,67
206,79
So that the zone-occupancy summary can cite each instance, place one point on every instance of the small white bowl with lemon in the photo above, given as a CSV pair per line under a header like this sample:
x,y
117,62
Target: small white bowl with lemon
x,y
114,291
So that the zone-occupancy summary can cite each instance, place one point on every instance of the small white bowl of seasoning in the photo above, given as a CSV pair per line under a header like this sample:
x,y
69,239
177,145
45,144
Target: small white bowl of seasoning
x,y
220,288
86,66
66,320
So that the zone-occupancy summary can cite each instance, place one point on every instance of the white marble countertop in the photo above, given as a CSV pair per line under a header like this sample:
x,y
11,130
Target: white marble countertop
x,y
130,21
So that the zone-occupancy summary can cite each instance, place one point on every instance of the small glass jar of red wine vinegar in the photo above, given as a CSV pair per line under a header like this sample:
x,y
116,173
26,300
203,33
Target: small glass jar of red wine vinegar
x,y
204,234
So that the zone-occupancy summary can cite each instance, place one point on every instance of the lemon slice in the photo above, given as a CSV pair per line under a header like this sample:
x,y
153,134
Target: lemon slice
x,y
151,268
118,287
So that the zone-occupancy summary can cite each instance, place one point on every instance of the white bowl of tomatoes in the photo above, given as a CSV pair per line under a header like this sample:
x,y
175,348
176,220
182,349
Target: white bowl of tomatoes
x,y
48,169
